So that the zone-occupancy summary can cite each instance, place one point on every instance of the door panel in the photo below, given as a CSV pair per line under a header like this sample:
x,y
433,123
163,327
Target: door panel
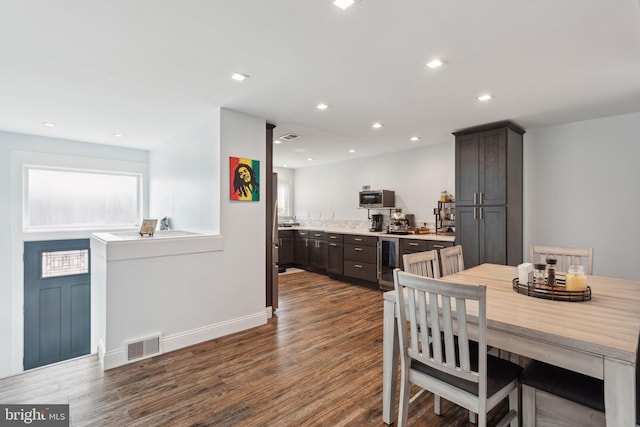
x,y
57,301
467,234
467,170
493,172
493,240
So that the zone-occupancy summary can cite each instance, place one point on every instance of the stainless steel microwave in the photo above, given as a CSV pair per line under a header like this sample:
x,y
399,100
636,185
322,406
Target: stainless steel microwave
x,y
377,199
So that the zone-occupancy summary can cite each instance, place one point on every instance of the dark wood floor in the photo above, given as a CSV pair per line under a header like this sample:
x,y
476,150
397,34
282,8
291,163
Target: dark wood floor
x,y
317,363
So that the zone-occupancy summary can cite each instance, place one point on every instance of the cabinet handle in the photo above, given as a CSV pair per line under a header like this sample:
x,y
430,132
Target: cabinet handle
x,y
306,243
481,213
475,213
279,242
438,247
413,244
333,244
318,234
357,249
333,237
357,265
357,239
475,198
481,198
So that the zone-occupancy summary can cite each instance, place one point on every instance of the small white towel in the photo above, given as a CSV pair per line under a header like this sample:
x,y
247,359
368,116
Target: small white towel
x,y
525,273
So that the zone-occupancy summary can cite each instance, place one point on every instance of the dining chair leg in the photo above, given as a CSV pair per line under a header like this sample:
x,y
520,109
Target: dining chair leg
x,y
436,404
403,405
473,417
513,406
528,406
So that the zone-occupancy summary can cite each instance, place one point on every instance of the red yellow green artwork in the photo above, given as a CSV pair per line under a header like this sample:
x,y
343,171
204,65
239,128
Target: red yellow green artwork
x,y
244,179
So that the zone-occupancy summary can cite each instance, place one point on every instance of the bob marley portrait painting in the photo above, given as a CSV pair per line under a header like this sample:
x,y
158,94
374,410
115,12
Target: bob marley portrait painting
x,y
244,177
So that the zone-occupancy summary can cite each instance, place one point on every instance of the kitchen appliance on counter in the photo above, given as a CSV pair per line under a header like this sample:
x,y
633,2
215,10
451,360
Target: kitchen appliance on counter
x,y
375,223
399,224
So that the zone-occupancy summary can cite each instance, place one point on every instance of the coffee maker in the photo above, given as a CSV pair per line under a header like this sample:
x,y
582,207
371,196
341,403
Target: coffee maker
x,y
376,223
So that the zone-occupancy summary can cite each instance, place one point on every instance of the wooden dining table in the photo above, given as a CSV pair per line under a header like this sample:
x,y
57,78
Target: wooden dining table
x,y
598,338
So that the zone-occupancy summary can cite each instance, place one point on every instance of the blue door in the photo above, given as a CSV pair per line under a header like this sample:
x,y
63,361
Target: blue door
x,y
57,301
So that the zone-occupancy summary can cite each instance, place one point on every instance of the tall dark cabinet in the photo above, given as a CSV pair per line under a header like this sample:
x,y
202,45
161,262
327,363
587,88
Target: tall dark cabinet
x,y
489,193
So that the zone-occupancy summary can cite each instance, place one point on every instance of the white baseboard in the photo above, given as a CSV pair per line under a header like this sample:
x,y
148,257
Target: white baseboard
x,y
115,358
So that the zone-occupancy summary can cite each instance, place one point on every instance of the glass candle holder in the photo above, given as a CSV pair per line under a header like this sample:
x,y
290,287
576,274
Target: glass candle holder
x,y
576,279
538,275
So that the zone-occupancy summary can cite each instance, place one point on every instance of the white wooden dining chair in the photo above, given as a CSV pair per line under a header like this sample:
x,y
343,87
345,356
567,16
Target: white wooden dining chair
x,y
565,257
431,313
452,260
422,263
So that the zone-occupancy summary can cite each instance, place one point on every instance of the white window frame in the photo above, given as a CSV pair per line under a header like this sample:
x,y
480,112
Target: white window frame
x,y
25,205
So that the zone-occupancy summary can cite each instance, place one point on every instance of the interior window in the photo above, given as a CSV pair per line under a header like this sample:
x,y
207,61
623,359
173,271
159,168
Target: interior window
x,y
284,203
74,199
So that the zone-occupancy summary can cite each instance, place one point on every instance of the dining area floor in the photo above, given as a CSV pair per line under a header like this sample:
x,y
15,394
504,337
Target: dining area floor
x,y
317,362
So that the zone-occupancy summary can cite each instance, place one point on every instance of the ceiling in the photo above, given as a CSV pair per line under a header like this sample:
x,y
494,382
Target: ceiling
x,y
150,68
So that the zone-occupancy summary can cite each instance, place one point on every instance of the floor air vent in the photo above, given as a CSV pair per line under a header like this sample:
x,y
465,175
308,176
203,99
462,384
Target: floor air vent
x,y
142,348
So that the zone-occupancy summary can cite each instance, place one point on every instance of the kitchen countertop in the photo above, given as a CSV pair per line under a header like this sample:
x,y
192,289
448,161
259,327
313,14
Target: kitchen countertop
x,y
430,236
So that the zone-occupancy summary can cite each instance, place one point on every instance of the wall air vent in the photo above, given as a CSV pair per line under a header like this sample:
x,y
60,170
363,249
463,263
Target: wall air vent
x,y
289,137
142,348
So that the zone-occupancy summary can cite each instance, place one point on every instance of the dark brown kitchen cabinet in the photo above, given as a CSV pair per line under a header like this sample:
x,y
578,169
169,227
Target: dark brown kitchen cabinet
x,y
336,253
318,250
488,193
286,247
361,257
410,246
302,248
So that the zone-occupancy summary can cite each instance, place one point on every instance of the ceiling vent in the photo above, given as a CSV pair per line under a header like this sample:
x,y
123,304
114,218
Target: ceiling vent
x,y
289,137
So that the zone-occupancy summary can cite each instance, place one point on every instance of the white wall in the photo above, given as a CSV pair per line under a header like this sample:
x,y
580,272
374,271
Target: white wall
x,y
184,177
417,177
190,183
581,190
76,154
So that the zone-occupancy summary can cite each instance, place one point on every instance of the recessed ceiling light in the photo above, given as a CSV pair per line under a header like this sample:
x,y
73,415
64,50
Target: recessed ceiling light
x,y
49,124
322,106
415,138
277,141
435,63
239,76
352,151
377,125
284,166
118,135
310,158
484,97
343,4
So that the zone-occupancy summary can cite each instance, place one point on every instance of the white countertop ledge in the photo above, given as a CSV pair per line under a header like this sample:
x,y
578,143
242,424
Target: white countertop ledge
x,y
123,245
430,236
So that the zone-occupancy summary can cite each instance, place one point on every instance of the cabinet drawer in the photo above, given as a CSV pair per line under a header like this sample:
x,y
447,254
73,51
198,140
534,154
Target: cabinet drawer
x,y
361,253
361,240
318,235
286,234
332,237
410,245
436,244
361,270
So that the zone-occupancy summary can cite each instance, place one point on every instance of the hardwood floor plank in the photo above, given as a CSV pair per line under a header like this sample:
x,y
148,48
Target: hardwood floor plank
x,y
318,362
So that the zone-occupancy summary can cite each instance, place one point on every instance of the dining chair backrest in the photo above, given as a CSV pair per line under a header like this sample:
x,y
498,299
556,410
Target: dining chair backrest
x,y
565,257
422,263
452,260
434,322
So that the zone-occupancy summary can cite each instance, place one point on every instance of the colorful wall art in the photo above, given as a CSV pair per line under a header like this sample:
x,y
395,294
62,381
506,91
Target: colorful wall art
x,y
244,177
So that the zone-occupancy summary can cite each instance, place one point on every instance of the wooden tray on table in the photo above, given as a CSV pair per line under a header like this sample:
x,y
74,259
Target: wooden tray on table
x,y
555,293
